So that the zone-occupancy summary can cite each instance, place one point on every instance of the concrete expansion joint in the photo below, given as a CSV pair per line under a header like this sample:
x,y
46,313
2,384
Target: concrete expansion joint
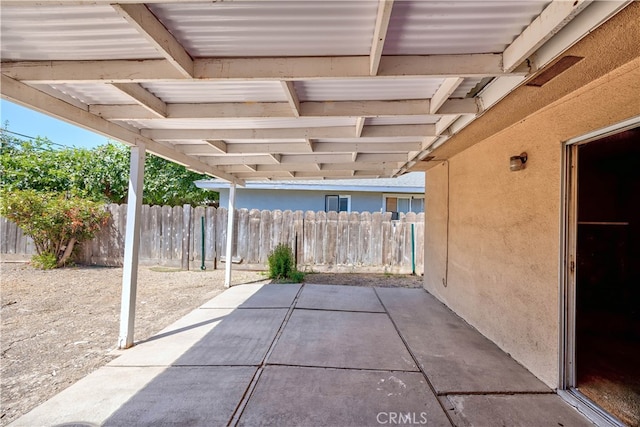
x,y
334,368
235,418
415,359
493,393
339,310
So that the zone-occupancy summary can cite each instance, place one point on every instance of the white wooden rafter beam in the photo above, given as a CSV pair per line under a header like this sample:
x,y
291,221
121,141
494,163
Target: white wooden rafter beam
x,y
387,131
22,94
301,148
140,17
234,110
310,167
298,159
379,34
292,97
146,99
448,86
219,146
276,157
309,145
376,173
360,121
444,123
281,68
555,16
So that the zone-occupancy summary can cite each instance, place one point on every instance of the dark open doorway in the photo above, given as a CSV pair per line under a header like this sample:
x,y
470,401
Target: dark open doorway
x,y
608,274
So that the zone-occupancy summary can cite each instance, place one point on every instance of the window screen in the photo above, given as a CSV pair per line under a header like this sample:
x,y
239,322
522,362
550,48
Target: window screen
x,y
331,203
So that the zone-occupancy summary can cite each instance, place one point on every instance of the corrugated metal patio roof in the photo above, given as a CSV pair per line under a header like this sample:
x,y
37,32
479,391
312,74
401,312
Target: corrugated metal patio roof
x,y
314,89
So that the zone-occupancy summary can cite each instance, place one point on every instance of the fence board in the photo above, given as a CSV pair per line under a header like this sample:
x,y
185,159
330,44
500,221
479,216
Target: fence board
x,y
242,237
353,251
221,232
309,239
195,258
186,237
342,238
276,229
211,253
297,229
173,236
265,235
253,250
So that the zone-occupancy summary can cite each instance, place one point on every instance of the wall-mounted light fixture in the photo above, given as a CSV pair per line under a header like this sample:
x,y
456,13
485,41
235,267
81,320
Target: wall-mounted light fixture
x,y
517,163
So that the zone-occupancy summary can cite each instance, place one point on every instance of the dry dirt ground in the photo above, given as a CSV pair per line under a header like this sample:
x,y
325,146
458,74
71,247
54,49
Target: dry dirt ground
x,y
57,326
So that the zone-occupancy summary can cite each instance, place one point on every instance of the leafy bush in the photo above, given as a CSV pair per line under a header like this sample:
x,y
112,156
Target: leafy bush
x,y
54,221
44,261
282,265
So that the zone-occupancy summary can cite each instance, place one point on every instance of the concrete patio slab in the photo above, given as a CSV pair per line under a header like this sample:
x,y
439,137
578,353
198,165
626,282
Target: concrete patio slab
x,y
84,402
341,298
511,410
332,397
340,339
210,337
118,396
328,367
204,396
256,296
455,356
170,343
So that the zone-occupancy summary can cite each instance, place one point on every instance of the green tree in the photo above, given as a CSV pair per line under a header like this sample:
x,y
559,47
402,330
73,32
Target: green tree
x,y
100,174
54,221
37,165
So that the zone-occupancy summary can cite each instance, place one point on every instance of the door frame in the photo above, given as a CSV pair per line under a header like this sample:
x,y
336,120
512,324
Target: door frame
x,y
568,248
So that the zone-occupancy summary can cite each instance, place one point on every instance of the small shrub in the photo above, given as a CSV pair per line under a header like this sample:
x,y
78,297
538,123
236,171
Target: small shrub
x,y
44,261
282,265
55,222
297,276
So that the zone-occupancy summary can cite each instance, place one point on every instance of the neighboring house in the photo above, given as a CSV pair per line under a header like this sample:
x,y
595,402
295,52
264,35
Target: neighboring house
x,y
402,194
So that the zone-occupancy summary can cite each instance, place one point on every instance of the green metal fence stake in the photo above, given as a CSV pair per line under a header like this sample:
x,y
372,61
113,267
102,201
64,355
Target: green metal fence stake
x,y
202,266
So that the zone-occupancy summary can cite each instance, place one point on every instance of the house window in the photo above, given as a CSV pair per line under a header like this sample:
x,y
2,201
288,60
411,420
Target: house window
x,y
403,203
337,203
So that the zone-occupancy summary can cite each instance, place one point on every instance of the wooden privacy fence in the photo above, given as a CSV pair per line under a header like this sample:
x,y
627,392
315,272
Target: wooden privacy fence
x,y
173,236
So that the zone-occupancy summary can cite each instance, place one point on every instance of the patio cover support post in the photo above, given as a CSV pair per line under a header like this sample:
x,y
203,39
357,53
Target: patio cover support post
x,y
132,243
230,215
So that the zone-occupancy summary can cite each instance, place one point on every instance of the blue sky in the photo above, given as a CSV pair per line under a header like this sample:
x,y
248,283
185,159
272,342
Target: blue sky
x,y
31,123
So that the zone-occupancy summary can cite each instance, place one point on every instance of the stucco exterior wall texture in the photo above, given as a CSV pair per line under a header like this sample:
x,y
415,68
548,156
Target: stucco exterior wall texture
x,y
499,253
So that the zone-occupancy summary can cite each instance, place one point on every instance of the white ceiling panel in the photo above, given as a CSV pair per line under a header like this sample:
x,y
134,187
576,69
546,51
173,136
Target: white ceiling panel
x,y
217,91
272,28
70,33
465,87
366,89
457,27
92,94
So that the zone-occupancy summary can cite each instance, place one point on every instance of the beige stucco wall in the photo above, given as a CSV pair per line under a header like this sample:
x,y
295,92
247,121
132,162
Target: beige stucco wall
x,y
503,234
